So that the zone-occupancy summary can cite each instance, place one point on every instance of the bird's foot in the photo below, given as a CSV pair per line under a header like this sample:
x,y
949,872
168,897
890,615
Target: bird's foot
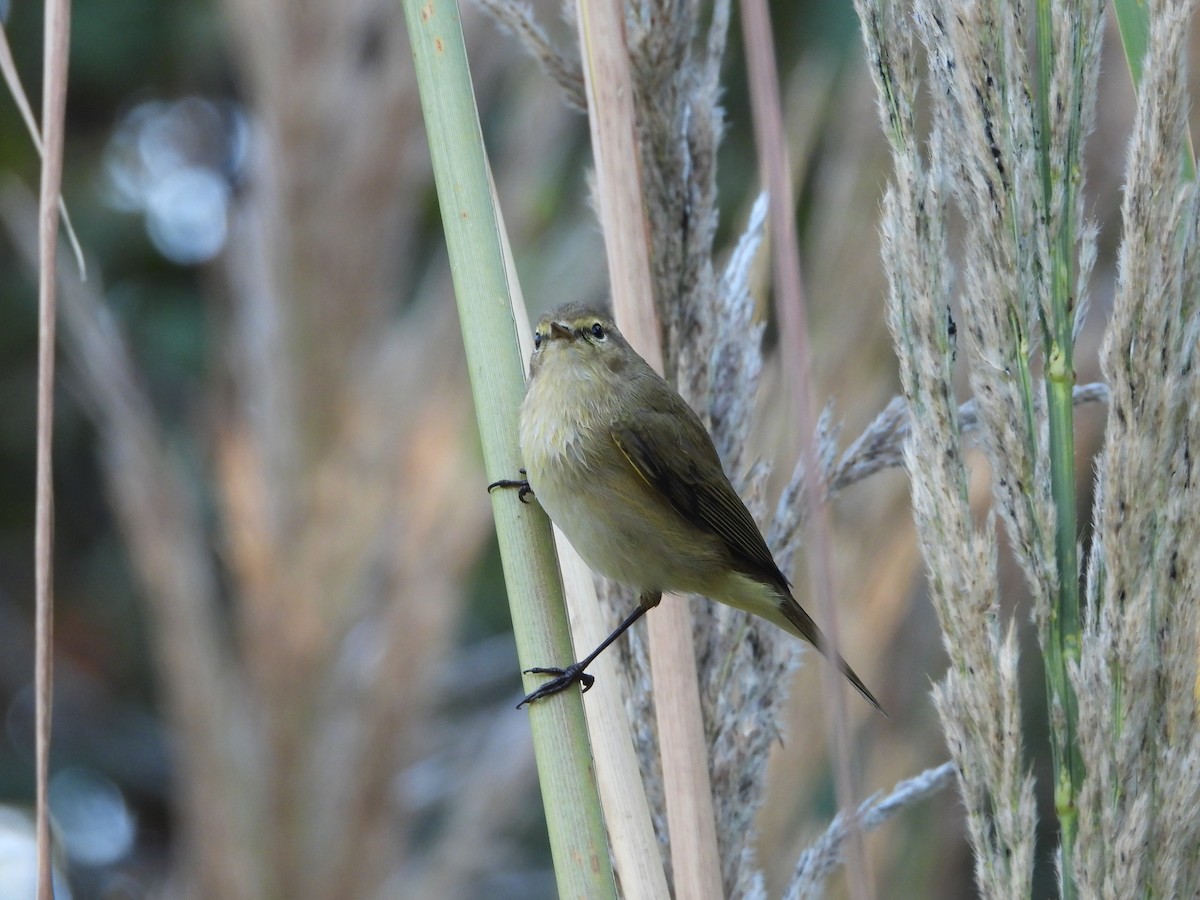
x,y
572,674
522,485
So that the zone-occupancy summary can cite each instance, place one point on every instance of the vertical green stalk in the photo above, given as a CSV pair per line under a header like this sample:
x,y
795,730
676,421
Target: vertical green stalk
x,y
578,842
1063,643
1064,619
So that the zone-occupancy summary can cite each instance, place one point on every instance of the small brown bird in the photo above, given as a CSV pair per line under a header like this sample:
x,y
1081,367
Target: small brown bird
x,y
627,470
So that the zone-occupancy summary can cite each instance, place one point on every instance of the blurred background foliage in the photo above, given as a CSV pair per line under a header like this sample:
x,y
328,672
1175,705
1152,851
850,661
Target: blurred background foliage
x,y
230,163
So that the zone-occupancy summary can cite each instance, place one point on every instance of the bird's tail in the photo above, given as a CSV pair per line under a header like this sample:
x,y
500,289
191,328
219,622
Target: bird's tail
x,y
803,625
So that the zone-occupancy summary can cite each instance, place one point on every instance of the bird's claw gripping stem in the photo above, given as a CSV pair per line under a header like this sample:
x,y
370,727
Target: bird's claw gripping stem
x,y
572,674
522,485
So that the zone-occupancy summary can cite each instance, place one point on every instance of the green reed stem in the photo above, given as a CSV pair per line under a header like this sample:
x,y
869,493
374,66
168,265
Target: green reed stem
x,y
578,842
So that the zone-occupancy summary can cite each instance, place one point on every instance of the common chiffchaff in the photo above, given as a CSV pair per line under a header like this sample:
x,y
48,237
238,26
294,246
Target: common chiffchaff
x,y
627,470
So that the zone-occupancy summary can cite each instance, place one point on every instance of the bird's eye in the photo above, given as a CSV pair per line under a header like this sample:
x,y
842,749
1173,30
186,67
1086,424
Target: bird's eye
x,y
598,331
537,339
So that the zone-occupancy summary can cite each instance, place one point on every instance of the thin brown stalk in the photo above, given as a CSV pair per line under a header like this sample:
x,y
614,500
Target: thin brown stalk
x,y
690,819
789,301
54,105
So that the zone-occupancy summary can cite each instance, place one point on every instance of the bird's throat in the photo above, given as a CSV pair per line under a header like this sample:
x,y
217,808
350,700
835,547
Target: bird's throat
x,y
568,406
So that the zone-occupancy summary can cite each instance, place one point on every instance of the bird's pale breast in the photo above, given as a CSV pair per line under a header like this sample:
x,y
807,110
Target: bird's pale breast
x,y
623,528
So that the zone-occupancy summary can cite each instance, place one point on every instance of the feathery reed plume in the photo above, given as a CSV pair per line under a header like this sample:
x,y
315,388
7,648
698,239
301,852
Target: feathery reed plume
x,y
1138,828
819,860
1122,701
977,701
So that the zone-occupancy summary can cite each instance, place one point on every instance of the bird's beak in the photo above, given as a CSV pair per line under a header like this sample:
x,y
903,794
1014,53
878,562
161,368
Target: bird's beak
x,y
561,332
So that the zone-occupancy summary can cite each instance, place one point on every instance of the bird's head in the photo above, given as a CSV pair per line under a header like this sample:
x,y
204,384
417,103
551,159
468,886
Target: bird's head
x,y
574,339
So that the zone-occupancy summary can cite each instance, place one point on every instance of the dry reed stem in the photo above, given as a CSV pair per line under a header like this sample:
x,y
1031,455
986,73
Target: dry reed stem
x,y
54,105
622,792
713,354
688,792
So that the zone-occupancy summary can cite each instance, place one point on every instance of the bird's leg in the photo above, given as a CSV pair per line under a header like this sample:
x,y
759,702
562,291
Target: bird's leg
x,y
575,673
524,490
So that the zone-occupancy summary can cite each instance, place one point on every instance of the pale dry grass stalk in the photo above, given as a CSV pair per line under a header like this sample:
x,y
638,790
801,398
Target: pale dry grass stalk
x,y
687,792
54,105
713,355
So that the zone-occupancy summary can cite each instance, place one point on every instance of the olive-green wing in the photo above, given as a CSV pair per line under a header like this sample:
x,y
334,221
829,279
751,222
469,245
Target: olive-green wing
x,y
669,448
672,452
